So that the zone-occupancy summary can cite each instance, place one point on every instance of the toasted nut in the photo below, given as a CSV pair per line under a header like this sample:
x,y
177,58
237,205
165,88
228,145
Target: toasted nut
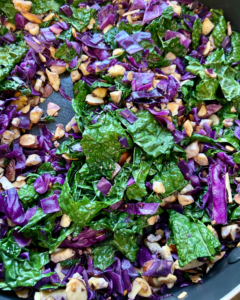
x,y
45,295
96,283
177,76
116,70
94,100
192,150
173,107
182,295
100,92
153,247
76,290
62,254
123,158
207,26
229,29
52,52
30,17
10,26
188,128
228,123
84,57
23,294
83,68
229,231
59,70
158,187
155,82
166,253
152,220
7,137
201,159
22,5
186,189
49,17
202,111
52,109
145,290
158,282
169,69
176,8
170,56
28,140
59,133
169,199
32,28
74,32
105,30
237,198
185,200
116,96
53,79
65,221
6,184
215,119
33,160
117,51
36,114
75,76
230,148
136,287
155,238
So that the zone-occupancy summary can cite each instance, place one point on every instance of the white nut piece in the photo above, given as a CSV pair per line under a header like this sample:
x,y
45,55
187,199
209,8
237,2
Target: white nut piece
x,y
229,231
116,96
116,70
188,128
32,28
59,133
33,160
75,76
169,70
22,5
206,121
207,49
58,69
117,51
152,220
153,247
58,270
76,290
83,68
96,283
7,137
52,109
36,114
45,295
6,184
53,79
105,30
186,189
154,238
207,26
215,119
28,140
62,254
65,221
23,294
166,253
201,159
90,99
202,111
185,200
100,92
192,150
140,287
173,107
170,56
158,187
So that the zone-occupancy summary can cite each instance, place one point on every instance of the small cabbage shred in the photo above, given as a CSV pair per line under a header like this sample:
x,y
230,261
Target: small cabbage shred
x,y
140,191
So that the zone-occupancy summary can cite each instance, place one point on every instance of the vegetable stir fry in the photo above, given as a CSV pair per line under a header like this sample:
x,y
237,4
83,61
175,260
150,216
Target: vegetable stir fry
x,y
144,192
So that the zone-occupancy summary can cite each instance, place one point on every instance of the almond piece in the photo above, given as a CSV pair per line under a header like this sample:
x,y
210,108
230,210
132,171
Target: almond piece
x,y
202,111
188,128
31,17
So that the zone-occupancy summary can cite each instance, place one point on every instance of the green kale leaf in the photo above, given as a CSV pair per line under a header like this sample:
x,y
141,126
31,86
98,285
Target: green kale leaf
x,y
65,53
109,37
219,32
197,27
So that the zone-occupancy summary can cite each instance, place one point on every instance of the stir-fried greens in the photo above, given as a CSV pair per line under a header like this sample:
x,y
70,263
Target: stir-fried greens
x,y
144,193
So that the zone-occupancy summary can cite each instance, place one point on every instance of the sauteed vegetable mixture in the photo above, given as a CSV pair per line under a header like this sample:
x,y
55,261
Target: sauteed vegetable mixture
x,y
144,193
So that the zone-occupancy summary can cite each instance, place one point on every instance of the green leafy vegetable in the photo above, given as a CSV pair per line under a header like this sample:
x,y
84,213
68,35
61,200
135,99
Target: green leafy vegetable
x,y
192,239
65,53
109,37
197,27
130,29
174,45
219,32
42,6
7,7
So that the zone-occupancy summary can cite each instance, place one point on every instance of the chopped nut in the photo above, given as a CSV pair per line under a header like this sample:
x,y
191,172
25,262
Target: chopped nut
x,y
33,160
116,96
192,150
158,187
152,220
228,188
36,114
28,140
176,8
91,23
59,70
49,17
47,91
201,159
33,29
62,254
173,107
117,52
7,137
207,26
65,221
230,148
202,111
83,68
23,294
76,290
22,5
154,238
229,231
169,69
215,119
229,29
105,30
100,92
53,79
116,171
170,56
143,290
59,133
116,70
188,128
6,184
90,99
185,200
187,189
75,76
52,52
166,253
213,231
10,170
228,123
52,108
182,295
30,17
96,283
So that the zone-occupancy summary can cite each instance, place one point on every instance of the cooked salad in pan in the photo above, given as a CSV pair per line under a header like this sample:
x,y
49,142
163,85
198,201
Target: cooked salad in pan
x,y
143,193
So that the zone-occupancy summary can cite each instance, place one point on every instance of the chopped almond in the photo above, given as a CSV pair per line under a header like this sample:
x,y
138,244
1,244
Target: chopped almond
x,y
28,140
94,100
188,128
32,18
202,111
22,5
52,108
59,133
182,295
53,79
173,107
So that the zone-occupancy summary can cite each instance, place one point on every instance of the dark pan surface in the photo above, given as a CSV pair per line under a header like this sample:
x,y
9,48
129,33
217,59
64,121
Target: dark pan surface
x,y
222,278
